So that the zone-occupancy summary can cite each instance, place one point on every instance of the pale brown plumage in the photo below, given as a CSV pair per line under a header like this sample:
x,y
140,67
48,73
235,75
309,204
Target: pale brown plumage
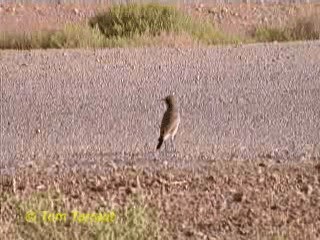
x,y
170,121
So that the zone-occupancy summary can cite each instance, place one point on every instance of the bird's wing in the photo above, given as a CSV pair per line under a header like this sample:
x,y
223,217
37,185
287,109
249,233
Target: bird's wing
x,y
169,122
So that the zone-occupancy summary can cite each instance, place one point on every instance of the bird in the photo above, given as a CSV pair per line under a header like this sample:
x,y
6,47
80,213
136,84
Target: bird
x,y
170,121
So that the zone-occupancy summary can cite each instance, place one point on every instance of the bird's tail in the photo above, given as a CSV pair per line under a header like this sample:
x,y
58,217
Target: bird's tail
x,y
160,142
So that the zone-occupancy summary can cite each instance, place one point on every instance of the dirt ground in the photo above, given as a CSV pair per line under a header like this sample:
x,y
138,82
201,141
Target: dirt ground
x,y
258,199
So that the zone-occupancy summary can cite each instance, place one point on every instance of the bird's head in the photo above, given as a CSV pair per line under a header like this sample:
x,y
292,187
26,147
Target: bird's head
x,y
169,100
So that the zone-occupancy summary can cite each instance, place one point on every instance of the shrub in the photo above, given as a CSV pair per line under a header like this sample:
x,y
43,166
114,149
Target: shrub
x,y
71,36
270,34
307,28
134,19
123,26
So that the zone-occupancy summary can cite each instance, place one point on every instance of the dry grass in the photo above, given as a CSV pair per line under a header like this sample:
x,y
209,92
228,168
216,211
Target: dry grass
x,y
123,26
306,28
157,25
71,36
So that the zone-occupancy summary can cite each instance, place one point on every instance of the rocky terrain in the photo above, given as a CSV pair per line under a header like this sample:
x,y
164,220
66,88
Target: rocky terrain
x,y
245,101
85,123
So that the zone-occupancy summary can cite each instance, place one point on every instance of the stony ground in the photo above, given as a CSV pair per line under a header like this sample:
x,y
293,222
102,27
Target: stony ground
x,y
259,199
86,123
247,162
236,102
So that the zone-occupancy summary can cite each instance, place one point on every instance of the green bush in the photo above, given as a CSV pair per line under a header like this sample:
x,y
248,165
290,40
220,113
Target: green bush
x,y
77,36
134,19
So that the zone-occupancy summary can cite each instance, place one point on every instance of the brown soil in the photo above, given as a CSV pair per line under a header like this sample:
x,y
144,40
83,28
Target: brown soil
x,y
227,200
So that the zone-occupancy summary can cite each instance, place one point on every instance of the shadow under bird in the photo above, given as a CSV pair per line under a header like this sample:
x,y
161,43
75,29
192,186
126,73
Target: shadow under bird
x,y
170,122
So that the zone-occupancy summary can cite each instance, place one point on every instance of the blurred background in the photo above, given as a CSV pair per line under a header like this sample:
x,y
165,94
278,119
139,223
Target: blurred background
x,y
159,1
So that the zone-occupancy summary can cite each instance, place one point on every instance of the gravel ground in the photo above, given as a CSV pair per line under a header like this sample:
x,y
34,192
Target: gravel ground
x,y
236,102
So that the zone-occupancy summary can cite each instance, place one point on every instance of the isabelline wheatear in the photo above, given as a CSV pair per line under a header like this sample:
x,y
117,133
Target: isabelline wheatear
x,y
170,121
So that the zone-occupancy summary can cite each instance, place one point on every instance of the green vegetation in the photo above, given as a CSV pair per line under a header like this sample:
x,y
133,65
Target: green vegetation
x,y
134,20
135,25
53,216
72,36
123,25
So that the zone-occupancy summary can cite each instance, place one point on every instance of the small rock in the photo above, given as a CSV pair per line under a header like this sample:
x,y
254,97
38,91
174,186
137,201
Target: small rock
x,y
262,164
273,207
97,188
307,189
238,197
130,190
224,10
76,11
189,233
261,180
268,155
30,164
210,178
21,187
41,187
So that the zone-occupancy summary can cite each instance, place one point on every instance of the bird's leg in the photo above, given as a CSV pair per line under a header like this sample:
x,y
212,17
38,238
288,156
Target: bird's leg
x,y
165,148
173,145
